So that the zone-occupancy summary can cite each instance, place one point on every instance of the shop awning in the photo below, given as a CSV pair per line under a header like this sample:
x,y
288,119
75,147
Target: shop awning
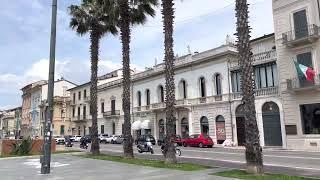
x,y
136,125
145,124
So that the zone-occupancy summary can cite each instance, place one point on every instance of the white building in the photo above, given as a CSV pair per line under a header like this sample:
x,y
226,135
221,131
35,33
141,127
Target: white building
x,y
297,35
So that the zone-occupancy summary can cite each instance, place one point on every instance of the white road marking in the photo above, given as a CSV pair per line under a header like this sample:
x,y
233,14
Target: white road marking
x,y
36,163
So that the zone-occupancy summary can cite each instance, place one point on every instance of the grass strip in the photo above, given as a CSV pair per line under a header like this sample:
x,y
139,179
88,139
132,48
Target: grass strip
x,y
149,163
240,174
36,154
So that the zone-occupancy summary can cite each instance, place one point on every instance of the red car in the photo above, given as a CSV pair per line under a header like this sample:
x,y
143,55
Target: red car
x,y
198,140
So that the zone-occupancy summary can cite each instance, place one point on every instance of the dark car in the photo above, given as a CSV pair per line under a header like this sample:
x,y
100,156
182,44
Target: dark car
x,y
144,138
69,137
178,140
87,138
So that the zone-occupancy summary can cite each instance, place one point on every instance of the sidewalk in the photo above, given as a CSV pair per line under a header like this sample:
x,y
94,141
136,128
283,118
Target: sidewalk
x,y
76,168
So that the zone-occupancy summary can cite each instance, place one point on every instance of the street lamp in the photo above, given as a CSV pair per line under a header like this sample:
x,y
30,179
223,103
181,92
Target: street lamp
x,y
46,158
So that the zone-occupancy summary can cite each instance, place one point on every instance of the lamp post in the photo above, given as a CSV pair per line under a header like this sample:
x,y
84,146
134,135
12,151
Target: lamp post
x,y
46,158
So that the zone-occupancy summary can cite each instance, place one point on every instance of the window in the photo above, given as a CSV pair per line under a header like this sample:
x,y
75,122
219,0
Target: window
x,y
161,93
62,130
139,98
113,128
310,116
236,81
266,75
183,89
73,112
61,113
204,123
102,107
74,97
306,60
79,95
78,111
84,111
113,107
85,93
102,129
147,97
202,87
300,24
218,84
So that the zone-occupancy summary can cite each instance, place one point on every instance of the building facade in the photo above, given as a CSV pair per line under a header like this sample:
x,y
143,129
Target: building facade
x,y
297,35
10,123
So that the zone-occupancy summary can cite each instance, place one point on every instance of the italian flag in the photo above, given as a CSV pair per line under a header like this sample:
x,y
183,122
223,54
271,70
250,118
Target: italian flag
x,y
305,71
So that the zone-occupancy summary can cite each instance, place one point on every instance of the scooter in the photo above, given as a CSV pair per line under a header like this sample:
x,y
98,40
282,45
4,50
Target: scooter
x,y
68,144
84,145
145,147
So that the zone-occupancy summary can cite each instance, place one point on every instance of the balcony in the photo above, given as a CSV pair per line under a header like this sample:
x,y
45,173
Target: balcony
x,y
259,58
109,114
301,37
270,91
302,85
158,105
80,118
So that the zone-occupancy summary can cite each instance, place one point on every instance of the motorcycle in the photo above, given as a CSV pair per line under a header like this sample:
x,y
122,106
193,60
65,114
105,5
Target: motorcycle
x,y
145,147
84,145
178,151
68,143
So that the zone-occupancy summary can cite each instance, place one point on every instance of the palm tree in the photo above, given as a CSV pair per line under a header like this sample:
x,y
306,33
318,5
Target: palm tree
x,y
91,18
253,148
168,16
131,12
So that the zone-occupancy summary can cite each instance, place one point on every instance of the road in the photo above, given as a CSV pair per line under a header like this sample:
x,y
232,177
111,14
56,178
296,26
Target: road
x,y
275,161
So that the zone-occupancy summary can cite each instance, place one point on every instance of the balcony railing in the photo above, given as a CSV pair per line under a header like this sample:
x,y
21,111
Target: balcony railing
x,y
111,113
258,58
81,118
295,37
158,105
259,92
297,84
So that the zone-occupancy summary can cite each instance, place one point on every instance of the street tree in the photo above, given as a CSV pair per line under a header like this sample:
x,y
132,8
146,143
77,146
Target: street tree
x,y
97,20
253,149
132,12
168,18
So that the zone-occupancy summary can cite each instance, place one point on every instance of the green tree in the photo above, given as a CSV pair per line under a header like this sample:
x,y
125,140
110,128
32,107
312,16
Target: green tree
x,y
168,17
96,17
132,12
253,148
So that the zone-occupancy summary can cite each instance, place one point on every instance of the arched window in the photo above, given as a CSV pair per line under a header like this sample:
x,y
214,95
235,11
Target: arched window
x,y
184,128
204,125
217,79
147,97
161,94
202,87
183,89
139,98
220,129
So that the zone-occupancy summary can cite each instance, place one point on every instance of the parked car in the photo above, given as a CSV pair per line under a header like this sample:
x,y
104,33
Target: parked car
x,y
114,139
87,138
103,137
71,138
77,138
178,140
198,140
144,138
60,140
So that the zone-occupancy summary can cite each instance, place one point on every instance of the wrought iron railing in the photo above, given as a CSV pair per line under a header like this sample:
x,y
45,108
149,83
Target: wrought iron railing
x,y
297,34
111,113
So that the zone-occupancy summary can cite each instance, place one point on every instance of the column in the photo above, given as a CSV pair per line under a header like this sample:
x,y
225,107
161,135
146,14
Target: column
x,y
190,121
177,123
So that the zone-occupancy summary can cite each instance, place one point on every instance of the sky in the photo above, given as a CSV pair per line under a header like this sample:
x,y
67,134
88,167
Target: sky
x,y
25,39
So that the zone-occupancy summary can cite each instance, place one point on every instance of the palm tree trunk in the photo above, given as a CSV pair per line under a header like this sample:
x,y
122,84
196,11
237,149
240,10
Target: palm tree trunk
x,y
94,48
168,16
253,148
125,38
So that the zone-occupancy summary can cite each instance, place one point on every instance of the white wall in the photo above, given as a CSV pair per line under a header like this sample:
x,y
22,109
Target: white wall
x,y
58,89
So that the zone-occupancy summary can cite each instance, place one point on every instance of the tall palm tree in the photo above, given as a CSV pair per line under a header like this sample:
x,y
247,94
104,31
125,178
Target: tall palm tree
x,y
253,148
131,12
168,17
91,18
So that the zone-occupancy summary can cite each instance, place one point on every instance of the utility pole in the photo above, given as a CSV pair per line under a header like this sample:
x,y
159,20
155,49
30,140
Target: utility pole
x,y
46,158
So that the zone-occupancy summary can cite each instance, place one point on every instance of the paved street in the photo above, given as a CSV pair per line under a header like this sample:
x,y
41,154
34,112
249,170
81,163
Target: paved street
x,y
277,161
68,167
